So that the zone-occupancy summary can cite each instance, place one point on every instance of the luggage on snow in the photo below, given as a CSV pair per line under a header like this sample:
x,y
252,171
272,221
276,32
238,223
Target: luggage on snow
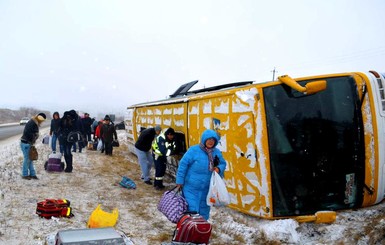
x,y
172,204
54,163
192,227
54,208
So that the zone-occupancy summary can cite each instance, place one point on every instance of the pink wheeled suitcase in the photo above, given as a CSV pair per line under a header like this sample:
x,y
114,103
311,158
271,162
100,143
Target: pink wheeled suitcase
x,y
192,228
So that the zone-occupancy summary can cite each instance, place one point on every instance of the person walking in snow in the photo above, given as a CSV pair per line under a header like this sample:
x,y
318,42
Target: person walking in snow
x,y
54,132
98,137
94,125
195,170
143,151
28,139
80,128
68,124
108,134
87,123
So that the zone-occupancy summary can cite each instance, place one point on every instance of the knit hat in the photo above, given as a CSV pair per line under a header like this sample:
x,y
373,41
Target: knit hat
x,y
158,128
107,117
41,117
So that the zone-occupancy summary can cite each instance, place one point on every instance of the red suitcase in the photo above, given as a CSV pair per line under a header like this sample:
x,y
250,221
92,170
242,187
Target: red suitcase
x,y
192,228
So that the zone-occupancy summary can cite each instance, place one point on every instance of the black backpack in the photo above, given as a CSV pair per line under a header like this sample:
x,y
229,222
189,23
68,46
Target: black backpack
x,y
74,136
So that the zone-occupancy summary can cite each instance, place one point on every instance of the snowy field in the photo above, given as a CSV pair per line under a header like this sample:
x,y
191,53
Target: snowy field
x,y
94,181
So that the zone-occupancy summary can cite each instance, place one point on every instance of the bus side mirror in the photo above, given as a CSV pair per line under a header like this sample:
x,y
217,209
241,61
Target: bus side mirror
x,y
310,87
315,87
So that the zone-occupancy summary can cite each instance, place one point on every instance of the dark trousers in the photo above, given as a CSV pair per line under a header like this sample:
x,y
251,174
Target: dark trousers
x,y
108,148
68,156
160,170
88,136
80,144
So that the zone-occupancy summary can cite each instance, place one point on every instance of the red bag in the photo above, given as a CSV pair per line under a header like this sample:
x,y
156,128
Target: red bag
x,y
54,208
192,228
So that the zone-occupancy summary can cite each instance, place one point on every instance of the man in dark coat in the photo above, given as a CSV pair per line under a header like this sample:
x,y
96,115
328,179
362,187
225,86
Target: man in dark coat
x,y
68,124
108,134
80,128
143,151
87,122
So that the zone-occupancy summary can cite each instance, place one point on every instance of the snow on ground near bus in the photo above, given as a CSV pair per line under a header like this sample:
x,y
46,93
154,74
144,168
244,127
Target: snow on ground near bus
x,y
94,181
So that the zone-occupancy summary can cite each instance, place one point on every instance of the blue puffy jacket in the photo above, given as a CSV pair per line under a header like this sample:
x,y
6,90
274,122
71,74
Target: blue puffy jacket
x,y
194,174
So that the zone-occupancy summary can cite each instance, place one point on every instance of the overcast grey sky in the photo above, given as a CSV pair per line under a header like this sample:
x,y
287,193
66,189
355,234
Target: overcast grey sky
x,y
102,56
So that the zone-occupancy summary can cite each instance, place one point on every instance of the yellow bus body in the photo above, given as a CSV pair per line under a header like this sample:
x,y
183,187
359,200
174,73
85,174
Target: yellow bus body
x,y
240,116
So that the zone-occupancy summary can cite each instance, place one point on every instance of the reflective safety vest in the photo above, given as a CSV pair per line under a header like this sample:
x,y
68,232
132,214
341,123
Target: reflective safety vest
x,y
155,146
170,146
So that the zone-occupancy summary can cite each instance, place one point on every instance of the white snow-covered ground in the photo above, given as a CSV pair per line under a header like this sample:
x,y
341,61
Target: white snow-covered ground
x,y
94,181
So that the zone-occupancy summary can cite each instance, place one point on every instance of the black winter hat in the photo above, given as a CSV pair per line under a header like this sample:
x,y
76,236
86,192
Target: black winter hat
x,y
42,115
169,131
73,114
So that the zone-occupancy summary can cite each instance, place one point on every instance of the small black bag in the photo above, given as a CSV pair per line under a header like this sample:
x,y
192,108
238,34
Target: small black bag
x,y
115,143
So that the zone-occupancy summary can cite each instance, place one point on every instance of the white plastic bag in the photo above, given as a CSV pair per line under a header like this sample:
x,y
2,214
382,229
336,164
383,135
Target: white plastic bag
x,y
218,194
46,140
100,145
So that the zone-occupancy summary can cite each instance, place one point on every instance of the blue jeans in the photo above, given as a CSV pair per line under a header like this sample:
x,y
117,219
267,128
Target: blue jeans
x,y
53,145
146,161
27,163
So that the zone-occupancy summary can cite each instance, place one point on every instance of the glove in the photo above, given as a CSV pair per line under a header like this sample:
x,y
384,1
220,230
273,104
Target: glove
x,y
216,161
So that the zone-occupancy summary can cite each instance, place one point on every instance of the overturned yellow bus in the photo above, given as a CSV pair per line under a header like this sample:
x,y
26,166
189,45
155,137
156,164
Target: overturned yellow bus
x,y
293,146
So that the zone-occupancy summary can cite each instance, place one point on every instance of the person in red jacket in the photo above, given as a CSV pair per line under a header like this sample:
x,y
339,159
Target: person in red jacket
x,y
97,135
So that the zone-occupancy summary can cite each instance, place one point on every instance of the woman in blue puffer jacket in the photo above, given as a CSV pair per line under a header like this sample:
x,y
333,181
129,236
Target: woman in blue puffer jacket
x,y
195,169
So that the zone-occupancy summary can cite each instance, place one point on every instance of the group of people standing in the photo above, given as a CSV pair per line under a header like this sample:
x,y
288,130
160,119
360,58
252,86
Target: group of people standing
x,y
152,147
194,170
81,125
60,129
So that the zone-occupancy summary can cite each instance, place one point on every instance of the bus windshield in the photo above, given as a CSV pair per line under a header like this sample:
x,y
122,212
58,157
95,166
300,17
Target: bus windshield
x,y
316,147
